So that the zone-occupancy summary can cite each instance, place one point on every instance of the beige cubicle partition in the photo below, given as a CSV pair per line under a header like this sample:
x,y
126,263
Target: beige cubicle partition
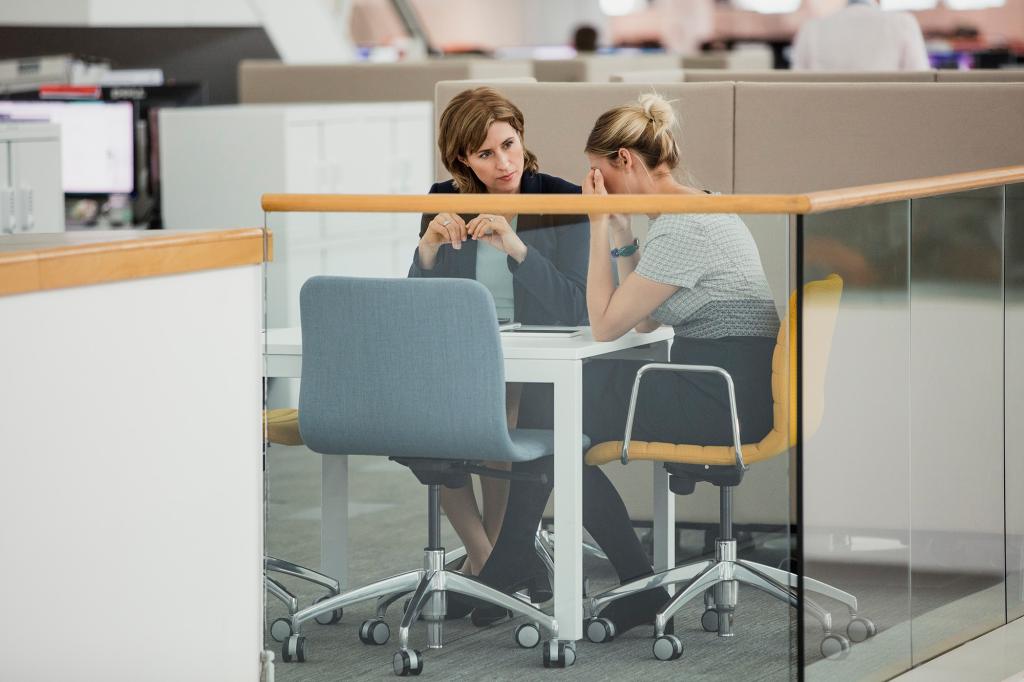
x,y
787,76
652,76
749,58
980,76
705,75
597,68
267,81
828,135
715,75
559,117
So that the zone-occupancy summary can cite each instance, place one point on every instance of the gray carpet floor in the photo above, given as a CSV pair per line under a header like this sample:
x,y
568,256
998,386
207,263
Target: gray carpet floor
x,y
387,533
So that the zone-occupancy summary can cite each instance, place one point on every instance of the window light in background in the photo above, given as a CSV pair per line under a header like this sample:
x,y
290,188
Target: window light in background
x,y
907,5
619,8
973,4
768,6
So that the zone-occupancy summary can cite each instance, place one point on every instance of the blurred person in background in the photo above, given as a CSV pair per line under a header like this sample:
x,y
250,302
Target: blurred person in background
x,y
860,37
584,39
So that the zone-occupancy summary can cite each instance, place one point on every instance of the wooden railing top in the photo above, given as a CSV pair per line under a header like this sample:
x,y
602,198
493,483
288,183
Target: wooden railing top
x,y
813,202
37,262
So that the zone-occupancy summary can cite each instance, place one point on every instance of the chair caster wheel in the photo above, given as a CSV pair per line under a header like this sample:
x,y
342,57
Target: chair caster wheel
x,y
668,648
527,635
711,619
835,647
294,649
331,617
407,662
558,654
281,629
374,632
599,630
860,629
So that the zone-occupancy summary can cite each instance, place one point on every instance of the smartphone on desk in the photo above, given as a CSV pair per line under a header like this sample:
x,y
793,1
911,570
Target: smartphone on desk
x,y
544,330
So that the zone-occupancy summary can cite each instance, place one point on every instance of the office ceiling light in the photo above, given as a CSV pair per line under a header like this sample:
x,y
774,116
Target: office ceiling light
x,y
768,6
618,8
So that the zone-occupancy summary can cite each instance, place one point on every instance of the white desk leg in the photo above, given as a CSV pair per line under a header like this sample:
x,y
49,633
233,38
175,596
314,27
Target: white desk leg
x,y
334,517
664,520
664,506
568,494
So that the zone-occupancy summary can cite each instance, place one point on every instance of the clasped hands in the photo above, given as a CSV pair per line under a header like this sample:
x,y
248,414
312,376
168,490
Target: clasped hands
x,y
490,228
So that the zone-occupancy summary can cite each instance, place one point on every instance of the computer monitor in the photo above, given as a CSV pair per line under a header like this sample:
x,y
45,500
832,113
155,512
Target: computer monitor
x,y
97,142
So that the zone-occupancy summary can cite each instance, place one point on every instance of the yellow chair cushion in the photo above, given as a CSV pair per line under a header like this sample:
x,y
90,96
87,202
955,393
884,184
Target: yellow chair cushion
x,y
821,305
282,426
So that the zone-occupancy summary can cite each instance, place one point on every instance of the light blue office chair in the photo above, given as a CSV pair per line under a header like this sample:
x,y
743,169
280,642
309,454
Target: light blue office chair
x,y
412,369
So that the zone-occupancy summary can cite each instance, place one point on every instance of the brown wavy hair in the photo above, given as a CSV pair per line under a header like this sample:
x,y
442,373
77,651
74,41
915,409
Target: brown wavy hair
x,y
463,128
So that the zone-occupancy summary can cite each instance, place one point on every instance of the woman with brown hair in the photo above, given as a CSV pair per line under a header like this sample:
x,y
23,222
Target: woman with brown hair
x,y
534,266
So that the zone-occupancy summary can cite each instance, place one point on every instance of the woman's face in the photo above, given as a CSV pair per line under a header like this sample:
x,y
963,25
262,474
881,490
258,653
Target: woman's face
x,y
613,174
498,163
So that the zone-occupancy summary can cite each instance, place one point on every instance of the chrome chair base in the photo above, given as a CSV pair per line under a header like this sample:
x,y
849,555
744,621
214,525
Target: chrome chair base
x,y
274,587
429,588
718,581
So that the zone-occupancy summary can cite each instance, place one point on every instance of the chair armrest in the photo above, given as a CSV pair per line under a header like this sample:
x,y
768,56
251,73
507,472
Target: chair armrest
x,y
670,367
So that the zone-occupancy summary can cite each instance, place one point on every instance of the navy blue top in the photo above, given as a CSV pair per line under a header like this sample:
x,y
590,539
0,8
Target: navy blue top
x,y
550,284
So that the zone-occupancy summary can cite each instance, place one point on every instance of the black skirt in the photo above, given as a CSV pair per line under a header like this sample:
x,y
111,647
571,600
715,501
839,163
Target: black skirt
x,y
672,407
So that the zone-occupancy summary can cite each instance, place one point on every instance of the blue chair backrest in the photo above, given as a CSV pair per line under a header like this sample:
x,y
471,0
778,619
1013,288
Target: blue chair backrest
x,y
402,368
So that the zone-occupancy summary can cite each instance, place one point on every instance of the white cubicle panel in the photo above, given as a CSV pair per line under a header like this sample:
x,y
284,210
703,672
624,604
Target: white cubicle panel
x,y
325,148
132,486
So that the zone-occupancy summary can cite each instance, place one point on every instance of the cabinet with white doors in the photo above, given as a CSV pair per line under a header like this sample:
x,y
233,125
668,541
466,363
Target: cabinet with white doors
x,y
31,194
215,162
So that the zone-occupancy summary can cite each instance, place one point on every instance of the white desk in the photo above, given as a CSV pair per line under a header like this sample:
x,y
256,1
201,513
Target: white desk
x,y
557,361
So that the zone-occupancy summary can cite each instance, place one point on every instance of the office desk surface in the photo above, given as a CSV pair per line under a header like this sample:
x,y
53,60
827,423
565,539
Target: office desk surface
x,y
287,341
56,260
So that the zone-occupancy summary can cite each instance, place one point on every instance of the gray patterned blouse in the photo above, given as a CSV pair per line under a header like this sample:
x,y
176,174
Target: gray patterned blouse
x,y
714,261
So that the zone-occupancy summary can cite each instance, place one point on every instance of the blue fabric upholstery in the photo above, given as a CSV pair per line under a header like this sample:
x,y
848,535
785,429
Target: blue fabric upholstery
x,y
406,368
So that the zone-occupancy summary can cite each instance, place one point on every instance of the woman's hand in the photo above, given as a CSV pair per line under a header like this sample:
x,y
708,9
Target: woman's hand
x,y
445,228
593,184
495,230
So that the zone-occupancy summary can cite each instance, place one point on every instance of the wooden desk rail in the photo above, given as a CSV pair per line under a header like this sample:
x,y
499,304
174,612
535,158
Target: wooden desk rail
x,y
812,202
38,262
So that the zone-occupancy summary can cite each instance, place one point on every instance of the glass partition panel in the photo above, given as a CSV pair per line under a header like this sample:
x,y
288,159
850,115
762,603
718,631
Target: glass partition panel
x,y
1014,392
361,517
855,455
956,413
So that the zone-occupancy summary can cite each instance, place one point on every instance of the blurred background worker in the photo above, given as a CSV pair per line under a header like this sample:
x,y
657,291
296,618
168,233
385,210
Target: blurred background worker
x,y
861,37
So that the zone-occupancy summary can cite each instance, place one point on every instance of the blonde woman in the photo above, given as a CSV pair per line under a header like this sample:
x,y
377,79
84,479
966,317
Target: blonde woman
x,y
700,273
534,266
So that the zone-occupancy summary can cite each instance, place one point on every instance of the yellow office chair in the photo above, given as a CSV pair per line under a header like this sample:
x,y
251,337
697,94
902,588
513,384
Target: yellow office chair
x,y
282,428
723,466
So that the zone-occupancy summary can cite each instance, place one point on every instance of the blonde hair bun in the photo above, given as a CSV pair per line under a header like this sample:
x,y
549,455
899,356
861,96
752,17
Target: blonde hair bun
x,y
644,125
658,110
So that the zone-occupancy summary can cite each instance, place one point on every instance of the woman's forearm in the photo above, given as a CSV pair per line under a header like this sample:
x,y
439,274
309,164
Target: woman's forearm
x,y
600,285
624,264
